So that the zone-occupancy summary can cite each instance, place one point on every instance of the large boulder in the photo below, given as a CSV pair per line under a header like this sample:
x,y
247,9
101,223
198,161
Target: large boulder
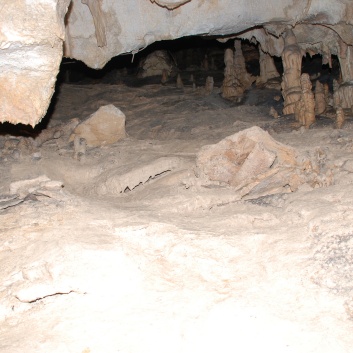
x,y
105,126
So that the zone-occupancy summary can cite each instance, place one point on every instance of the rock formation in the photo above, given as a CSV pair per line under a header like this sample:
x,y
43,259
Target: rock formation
x,y
105,126
32,35
179,82
320,98
155,64
232,87
340,118
292,62
267,68
344,93
95,7
209,85
255,164
305,107
244,77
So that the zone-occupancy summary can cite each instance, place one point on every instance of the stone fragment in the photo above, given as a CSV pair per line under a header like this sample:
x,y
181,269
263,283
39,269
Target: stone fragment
x,y
254,164
105,126
126,178
25,187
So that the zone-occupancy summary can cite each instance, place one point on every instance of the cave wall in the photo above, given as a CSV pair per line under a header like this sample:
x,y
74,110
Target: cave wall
x,y
32,35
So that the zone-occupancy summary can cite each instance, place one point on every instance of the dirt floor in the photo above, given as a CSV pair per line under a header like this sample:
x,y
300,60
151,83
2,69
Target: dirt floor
x,y
158,261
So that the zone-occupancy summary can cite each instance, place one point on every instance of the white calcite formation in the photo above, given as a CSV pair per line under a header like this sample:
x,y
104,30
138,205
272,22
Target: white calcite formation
x,y
32,35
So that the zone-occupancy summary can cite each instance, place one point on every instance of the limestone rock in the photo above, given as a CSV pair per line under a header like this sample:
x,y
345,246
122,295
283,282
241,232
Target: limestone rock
x,y
273,112
267,68
340,118
245,78
292,60
31,44
320,98
305,107
255,164
105,126
209,84
25,187
247,160
232,87
179,82
32,34
156,64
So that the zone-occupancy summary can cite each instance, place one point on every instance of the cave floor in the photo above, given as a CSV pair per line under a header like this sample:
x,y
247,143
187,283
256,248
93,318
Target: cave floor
x,y
165,264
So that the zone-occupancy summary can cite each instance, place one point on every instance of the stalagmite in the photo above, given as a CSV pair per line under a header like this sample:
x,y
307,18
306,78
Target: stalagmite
x,y
320,99
209,85
245,78
164,78
179,83
340,118
267,68
292,60
336,96
231,87
305,107
328,95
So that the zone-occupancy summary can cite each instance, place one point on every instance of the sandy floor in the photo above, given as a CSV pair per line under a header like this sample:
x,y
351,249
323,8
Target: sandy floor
x,y
166,264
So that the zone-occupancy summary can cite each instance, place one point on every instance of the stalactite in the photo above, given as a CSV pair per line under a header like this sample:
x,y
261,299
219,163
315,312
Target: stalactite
x,y
95,7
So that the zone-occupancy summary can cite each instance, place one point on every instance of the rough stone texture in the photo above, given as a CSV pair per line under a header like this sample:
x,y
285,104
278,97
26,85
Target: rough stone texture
x,y
320,98
340,118
155,64
267,68
127,33
240,68
255,164
105,126
232,87
305,107
292,62
31,39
